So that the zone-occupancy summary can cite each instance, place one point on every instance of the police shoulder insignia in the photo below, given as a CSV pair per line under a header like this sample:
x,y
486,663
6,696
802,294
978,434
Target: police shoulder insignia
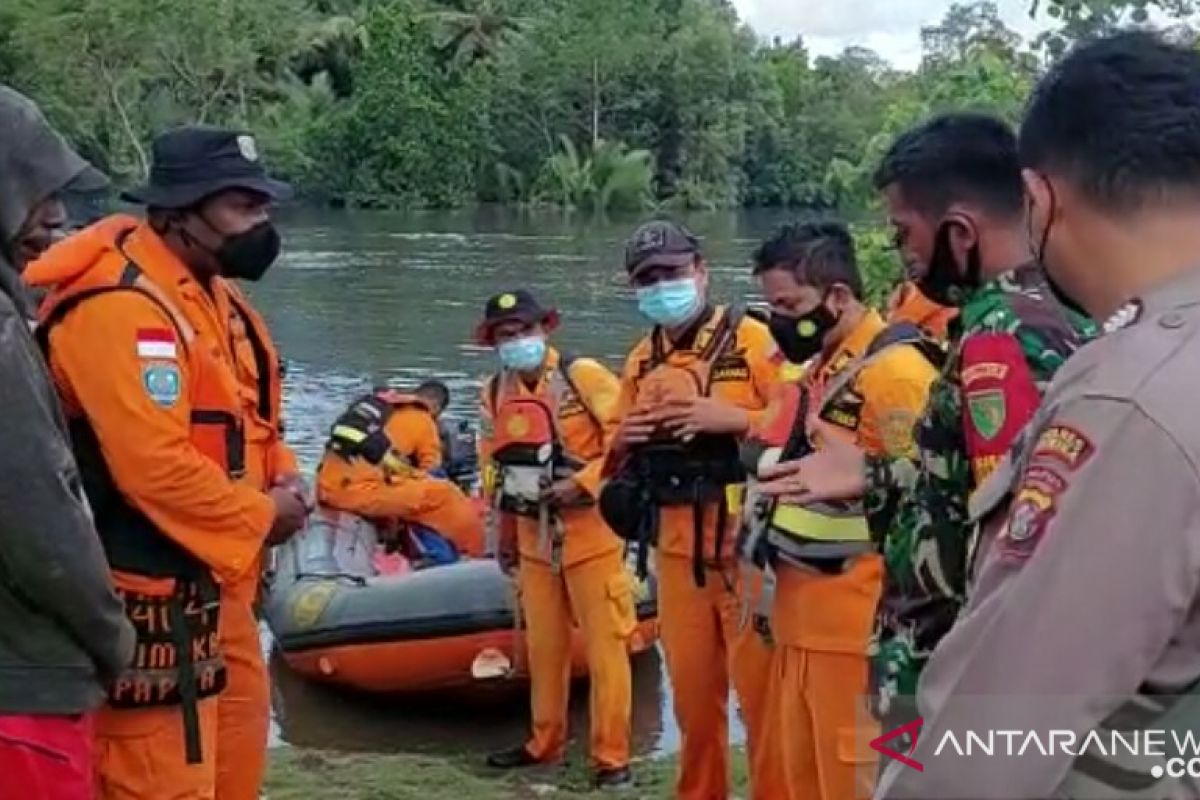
x,y
1064,444
162,383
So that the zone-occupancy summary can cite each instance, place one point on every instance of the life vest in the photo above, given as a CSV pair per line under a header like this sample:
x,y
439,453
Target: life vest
x,y
668,472
529,454
528,451
178,659
823,536
268,365
361,430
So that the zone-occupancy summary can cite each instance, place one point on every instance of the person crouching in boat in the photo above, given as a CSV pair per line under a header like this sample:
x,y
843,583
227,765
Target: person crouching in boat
x,y
547,419
364,471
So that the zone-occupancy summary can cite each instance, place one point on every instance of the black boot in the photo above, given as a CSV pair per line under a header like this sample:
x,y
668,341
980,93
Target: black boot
x,y
614,780
511,758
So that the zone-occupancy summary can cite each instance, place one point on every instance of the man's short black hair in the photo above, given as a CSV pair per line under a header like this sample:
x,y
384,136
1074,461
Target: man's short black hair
x,y
1120,119
436,389
819,251
956,158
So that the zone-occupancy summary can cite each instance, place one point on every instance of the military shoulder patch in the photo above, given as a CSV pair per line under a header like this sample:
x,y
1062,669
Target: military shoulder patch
x,y
999,393
162,383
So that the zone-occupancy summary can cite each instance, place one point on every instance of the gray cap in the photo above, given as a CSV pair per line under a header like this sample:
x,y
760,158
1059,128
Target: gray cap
x,y
660,243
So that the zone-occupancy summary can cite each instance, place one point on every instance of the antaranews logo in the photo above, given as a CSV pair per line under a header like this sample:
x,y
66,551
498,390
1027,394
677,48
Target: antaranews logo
x,y
912,729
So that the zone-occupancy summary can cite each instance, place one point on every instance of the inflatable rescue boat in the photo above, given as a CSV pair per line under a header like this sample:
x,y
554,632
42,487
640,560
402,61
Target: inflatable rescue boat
x,y
341,616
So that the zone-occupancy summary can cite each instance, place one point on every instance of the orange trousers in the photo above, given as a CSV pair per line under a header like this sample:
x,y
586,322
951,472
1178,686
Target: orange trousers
x,y
705,646
244,708
140,754
599,594
819,726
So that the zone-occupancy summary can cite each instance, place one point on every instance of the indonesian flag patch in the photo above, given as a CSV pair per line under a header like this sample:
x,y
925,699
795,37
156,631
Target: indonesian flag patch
x,y
156,343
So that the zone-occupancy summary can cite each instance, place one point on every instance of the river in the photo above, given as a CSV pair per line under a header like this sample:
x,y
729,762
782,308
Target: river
x,y
365,298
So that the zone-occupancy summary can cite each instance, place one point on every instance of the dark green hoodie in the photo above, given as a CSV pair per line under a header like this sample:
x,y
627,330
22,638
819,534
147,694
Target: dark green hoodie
x,y
63,632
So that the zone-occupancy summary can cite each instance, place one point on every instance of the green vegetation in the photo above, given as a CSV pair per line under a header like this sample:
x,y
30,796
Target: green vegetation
x,y
620,104
300,775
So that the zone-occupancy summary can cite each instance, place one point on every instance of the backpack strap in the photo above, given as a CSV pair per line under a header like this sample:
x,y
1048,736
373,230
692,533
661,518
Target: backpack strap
x,y
901,333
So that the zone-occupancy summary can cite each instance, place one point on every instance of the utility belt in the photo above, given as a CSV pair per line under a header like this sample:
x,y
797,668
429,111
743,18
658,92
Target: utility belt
x,y
669,473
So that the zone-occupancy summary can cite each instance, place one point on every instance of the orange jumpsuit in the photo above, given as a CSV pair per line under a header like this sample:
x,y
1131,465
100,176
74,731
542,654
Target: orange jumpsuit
x,y
594,589
407,495
704,642
908,304
136,369
816,735
244,708
414,434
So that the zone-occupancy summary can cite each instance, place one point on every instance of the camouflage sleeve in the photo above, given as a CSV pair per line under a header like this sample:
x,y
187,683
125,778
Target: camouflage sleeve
x,y
889,481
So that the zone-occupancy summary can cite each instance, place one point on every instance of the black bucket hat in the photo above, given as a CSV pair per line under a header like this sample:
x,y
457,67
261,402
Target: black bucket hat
x,y
660,243
519,306
191,163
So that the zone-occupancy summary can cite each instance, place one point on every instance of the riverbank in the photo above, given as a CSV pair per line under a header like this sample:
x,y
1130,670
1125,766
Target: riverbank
x,y
297,774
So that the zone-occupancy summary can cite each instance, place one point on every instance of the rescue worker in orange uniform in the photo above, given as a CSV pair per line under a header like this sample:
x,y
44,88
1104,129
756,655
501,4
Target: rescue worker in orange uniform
x,y
547,419
137,328
689,391
374,467
869,382
908,304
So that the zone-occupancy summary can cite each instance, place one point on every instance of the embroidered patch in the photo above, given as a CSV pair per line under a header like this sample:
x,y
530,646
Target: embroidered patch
x,y
1063,444
158,343
983,466
162,383
896,432
1032,509
999,394
846,411
988,412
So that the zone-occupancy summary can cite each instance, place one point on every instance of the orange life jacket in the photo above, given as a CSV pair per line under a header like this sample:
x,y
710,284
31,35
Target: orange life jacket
x,y
528,448
178,660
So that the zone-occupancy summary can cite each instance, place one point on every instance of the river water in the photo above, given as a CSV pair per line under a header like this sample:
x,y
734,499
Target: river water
x,y
365,298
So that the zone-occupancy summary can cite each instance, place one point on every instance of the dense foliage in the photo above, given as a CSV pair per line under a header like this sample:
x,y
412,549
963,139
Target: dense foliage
x,y
625,103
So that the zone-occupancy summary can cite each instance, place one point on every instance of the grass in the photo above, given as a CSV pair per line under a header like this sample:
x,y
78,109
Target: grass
x,y
296,774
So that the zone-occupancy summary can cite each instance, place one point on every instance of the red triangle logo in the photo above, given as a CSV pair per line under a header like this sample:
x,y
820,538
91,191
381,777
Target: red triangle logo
x,y
914,728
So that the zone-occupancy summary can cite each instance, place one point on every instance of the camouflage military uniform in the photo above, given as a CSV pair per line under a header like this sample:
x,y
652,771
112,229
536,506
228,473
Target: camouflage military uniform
x,y
1007,343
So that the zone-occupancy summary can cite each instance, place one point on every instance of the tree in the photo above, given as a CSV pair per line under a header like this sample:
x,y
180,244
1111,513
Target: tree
x,y
966,29
1081,19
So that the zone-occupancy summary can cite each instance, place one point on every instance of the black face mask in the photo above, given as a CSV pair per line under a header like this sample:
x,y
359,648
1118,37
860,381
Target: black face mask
x,y
248,255
801,338
943,283
1039,254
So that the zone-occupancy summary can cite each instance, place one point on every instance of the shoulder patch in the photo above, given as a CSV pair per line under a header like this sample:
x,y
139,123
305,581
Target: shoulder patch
x,y
1064,444
162,383
897,432
999,393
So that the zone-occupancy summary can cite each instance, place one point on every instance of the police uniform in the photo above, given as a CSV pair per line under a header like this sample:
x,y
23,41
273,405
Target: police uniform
x,y
1087,573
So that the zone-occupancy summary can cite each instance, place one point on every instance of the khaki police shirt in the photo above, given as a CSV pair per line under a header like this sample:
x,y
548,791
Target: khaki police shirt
x,y
1087,580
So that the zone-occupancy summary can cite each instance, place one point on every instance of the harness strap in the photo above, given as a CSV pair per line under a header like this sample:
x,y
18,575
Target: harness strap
x,y
189,700
262,360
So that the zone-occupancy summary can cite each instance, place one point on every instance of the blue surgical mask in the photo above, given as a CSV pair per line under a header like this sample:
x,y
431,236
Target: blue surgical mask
x,y
670,303
523,355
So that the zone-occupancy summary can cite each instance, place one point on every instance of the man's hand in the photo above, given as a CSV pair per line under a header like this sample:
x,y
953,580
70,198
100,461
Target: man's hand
x,y
635,429
686,418
562,494
836,472
290,515
296,484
